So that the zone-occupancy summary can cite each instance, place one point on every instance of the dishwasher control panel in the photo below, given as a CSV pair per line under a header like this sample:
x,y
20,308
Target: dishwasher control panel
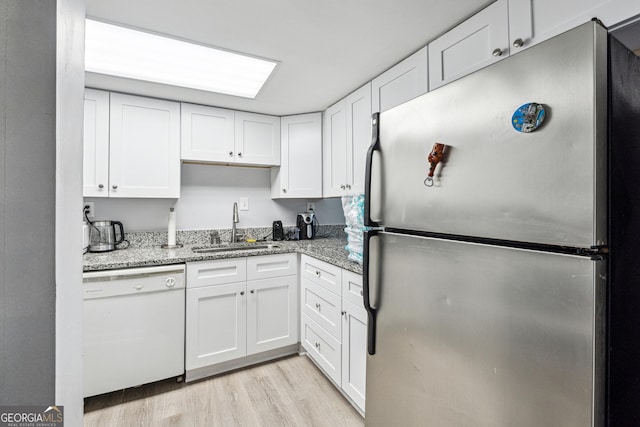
x,y
129,281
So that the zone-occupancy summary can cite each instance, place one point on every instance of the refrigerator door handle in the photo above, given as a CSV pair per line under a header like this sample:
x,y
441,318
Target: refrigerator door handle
x,y
375,145
371,312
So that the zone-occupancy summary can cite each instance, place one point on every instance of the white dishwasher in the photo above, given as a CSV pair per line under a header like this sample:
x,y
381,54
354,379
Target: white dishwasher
x,y
133,327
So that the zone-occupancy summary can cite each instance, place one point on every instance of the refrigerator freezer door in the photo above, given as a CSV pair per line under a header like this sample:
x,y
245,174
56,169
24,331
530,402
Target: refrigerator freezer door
x,y
491,181
478,335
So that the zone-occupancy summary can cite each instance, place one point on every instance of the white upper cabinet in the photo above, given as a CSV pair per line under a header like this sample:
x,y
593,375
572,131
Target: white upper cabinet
x,y
131,146
218,135
257,139
144,147
358,108
207,133
533,21
300,171
477,42
403,82
346,136
96,144
334,149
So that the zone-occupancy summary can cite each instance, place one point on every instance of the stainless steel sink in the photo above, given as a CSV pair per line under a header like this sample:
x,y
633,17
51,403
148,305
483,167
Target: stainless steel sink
x,y
231,248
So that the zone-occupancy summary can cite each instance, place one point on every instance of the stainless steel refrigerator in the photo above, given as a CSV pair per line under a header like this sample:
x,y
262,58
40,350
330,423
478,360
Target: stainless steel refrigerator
x,y
504,288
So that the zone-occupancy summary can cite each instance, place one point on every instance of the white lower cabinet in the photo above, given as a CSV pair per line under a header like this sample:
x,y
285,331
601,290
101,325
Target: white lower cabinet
x,y
237,308
216,324
334,325
272,313
322,347
354,351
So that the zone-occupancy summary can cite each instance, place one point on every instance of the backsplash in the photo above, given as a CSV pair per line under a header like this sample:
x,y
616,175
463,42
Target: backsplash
x,y
148,239
206,202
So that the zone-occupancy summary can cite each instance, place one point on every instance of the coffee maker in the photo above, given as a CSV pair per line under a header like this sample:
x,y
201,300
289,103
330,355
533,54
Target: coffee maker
x,y
307,224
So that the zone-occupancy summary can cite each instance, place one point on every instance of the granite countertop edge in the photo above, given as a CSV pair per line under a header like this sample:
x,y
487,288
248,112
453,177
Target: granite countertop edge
x,y
330,250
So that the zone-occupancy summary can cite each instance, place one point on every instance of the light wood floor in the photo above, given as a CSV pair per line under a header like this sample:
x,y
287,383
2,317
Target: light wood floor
x,y
286,392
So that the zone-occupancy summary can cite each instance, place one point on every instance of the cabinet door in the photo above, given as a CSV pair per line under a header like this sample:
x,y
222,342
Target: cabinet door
x,y
533,21
334,150
272,317
257,139
95,161
358,106
207,133
401,83
477,42
354,352
216,324
300,172
144,147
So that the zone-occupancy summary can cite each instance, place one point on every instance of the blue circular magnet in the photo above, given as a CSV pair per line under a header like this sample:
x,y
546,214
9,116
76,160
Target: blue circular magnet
x,y
528,117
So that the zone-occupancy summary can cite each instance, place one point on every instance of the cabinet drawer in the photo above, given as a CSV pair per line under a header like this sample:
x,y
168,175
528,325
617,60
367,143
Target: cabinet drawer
x,y
322,306
322,348
267,266
352,288
207,273
324,274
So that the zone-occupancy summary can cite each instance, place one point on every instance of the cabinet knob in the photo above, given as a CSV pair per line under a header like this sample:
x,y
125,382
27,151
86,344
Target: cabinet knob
x,y
496,52
343,186
284,190
518,42
318,345
100,186
317,306
239,154
344,312
115,187
348,186
230,153
317,273
252,291
241,292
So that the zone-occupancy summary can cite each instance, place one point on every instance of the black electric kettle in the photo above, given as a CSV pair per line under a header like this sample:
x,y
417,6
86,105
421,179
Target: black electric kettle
x,y
102,235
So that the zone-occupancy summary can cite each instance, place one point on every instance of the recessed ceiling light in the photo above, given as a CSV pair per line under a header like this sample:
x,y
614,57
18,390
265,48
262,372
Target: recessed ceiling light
x,y
124,52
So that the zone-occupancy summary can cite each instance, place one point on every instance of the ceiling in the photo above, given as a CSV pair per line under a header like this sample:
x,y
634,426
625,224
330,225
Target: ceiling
x,y
326,49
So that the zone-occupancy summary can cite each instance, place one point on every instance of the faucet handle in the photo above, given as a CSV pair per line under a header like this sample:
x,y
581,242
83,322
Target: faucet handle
x,y
215,237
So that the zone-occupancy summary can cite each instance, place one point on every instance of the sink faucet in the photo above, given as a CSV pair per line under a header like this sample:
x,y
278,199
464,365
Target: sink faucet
x,y
236,219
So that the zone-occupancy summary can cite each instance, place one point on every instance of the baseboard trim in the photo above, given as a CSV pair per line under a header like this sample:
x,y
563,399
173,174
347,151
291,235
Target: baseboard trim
x,y
219,368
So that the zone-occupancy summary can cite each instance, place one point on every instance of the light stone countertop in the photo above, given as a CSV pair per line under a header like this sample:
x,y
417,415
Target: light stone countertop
x,y
330,249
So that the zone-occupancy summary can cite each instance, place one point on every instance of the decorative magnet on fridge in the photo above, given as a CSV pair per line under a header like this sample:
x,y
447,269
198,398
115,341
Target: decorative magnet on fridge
x,y
528,117
434,157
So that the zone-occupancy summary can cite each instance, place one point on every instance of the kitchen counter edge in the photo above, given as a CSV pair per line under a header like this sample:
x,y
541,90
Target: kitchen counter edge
x,y
329,250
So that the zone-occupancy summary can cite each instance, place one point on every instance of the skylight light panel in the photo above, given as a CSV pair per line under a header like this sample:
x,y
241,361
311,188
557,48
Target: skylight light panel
x,y
133,54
